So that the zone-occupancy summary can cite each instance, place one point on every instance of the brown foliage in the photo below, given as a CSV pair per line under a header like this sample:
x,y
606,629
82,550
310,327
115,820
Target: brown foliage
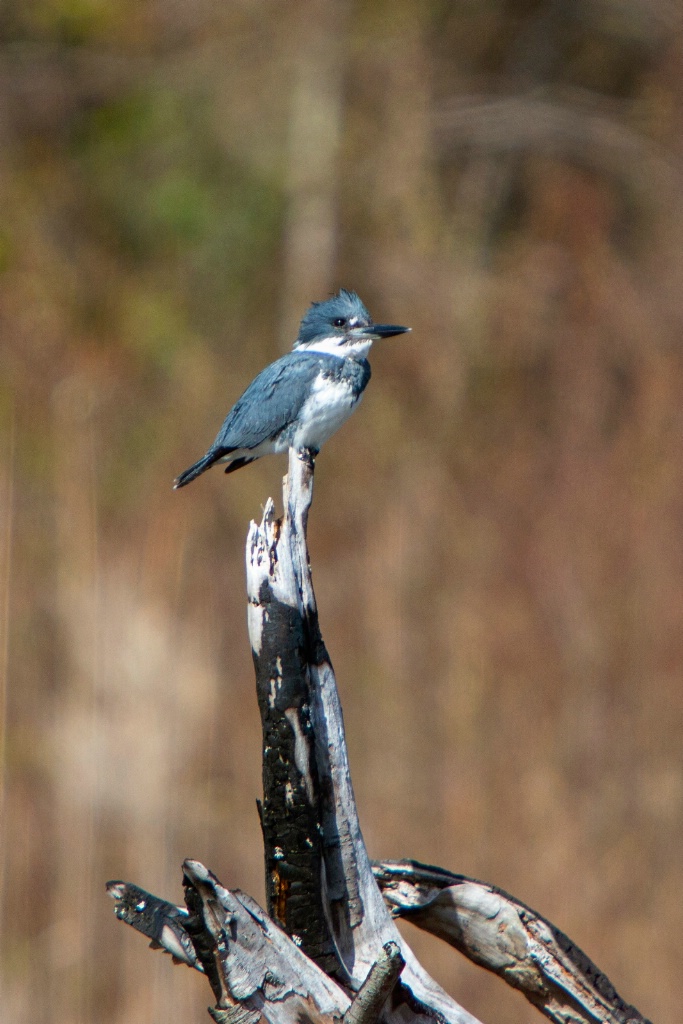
x,y
497,535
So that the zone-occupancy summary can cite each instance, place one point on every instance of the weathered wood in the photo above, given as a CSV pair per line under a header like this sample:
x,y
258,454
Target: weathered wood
x,y
259,966
253,966
278,571
290,811
377,987
507,937
332,917
256,971
234,1015
165,924
486,924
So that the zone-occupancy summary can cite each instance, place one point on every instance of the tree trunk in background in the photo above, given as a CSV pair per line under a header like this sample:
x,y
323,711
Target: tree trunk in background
x,y
311,235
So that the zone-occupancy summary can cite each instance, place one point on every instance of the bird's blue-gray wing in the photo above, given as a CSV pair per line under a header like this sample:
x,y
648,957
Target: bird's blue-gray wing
x,y
270,403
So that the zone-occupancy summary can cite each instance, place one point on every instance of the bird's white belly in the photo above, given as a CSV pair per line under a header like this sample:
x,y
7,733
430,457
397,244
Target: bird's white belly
x,y
329,405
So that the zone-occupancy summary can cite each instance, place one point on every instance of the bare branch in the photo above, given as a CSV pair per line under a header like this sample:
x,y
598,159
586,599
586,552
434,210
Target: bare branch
x,y
253,967
290,812
162,922
377,987
581,130
278,574
498,932
256,971
234,1015
321,887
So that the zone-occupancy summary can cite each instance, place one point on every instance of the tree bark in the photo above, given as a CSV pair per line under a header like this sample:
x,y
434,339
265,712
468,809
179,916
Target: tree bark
x,y
337,934
505,936
280,589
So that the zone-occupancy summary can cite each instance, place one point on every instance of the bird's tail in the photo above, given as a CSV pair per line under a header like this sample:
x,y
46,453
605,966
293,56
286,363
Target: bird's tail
x,y
194,471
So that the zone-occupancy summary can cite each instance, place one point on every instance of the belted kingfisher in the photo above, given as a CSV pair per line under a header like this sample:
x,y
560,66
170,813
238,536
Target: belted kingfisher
x,y
300,400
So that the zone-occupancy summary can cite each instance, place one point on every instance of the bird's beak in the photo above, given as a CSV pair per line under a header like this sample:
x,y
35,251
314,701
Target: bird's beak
x,y
375,331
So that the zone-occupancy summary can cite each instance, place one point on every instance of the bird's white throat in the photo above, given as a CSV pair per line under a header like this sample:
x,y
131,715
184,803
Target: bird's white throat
x,y
338,347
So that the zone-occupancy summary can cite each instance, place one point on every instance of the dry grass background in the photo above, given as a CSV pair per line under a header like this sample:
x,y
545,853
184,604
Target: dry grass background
x,y
497,535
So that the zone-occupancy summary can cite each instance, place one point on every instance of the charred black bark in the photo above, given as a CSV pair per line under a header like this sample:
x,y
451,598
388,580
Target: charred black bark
x,y
290,812
320,885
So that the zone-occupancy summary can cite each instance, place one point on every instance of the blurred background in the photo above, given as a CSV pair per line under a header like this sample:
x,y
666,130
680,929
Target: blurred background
x,y
497,534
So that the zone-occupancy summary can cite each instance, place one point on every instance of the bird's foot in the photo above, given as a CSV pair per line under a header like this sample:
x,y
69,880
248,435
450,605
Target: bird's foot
x,y
307,456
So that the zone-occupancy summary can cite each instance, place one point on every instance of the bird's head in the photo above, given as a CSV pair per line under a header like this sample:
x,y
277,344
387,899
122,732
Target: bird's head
x,y
341,326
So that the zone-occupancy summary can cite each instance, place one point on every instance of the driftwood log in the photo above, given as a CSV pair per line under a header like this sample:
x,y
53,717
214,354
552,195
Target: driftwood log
x,y
327,946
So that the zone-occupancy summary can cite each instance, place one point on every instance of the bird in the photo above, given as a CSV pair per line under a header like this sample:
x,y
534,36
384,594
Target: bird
x,y
301,399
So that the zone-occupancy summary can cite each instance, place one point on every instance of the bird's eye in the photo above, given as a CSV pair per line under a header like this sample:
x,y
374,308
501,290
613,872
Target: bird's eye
x,y
339,322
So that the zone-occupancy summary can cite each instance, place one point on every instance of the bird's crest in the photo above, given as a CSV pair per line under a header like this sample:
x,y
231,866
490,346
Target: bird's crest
x,y
319,320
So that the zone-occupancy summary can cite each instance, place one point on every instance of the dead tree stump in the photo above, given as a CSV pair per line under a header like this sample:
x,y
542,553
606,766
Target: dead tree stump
x,y
328,947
